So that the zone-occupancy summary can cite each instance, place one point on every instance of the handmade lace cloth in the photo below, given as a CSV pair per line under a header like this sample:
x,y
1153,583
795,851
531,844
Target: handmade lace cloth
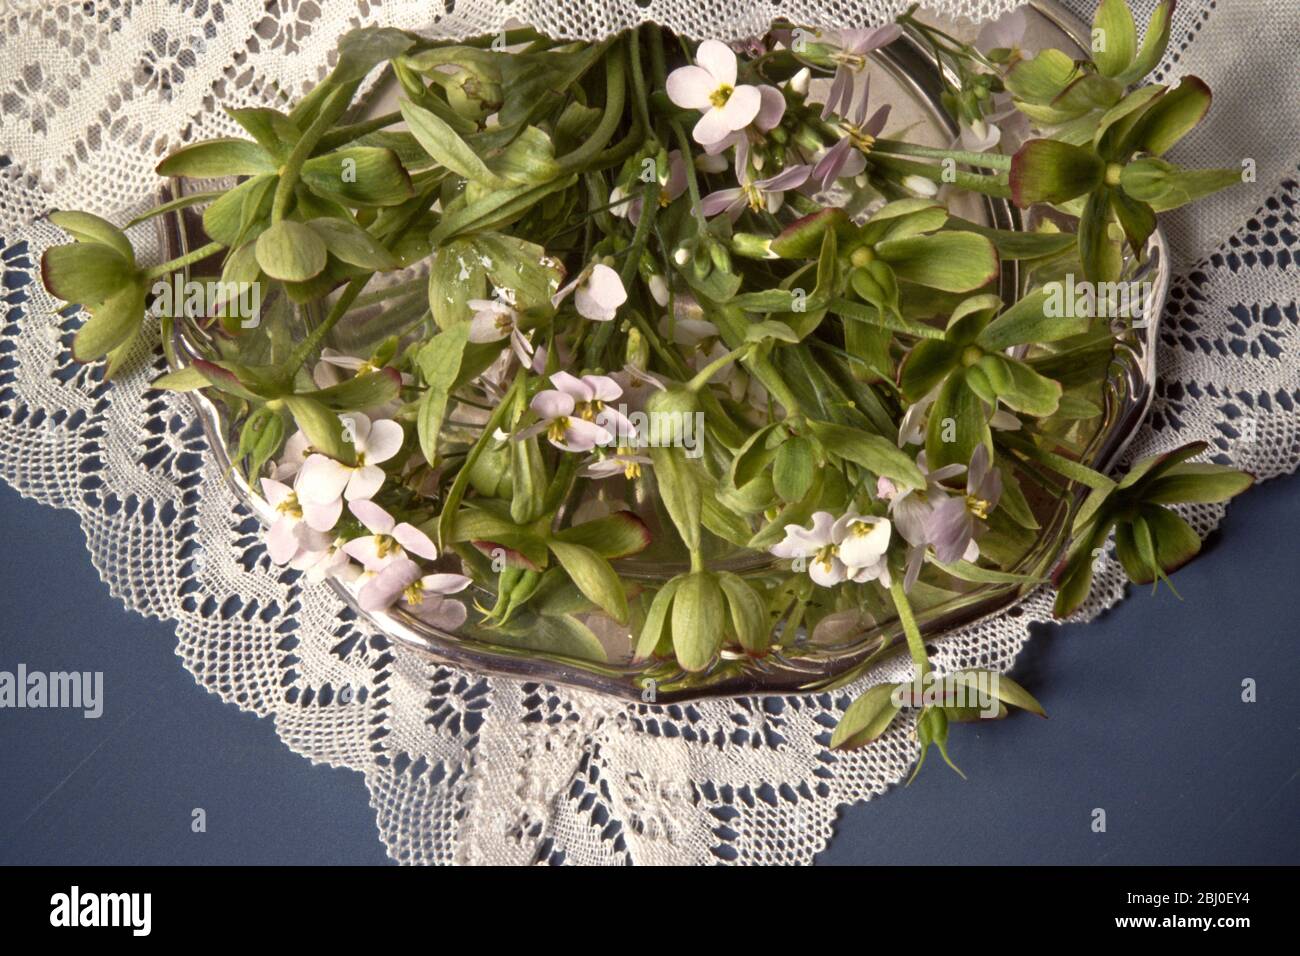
x,y
461,767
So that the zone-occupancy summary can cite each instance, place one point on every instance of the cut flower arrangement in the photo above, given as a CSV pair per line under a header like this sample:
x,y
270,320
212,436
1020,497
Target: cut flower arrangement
x,y
666,346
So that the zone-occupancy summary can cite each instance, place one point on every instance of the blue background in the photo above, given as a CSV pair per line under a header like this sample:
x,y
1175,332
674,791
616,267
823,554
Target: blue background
x,y
1146,722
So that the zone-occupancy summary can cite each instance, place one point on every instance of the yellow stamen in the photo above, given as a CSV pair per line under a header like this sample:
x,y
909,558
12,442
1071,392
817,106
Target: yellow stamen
x,y
414,593
588,411
290,506
385,545
720,96
978,507
557,429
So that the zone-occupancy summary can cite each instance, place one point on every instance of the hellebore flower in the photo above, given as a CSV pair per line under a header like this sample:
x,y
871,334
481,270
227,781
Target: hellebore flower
x,y
323,483
710,86
599,293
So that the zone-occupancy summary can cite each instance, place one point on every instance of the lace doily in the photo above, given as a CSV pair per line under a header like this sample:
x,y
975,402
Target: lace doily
x,y
461,767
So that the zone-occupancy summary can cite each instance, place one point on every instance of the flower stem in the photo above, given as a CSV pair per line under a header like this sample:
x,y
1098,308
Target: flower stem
x,y
702,377
915,645
330,111
191,257
997,161
995,186
615,95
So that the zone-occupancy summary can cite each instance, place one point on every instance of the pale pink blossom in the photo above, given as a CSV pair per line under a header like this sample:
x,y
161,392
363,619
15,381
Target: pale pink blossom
x,y
324,483
388,540
710,86
598,292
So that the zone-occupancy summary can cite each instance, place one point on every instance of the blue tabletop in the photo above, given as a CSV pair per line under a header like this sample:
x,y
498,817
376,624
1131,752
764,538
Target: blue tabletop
x,y
1147,723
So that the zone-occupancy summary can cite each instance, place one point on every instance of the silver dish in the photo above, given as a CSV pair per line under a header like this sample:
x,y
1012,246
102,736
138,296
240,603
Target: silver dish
x,y
800,662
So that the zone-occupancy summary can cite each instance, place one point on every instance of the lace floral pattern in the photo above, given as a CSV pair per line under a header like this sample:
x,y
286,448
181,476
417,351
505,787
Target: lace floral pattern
x,y
460,767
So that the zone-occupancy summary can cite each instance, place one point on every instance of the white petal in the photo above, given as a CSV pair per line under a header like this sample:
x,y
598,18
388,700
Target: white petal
x,y
322,517
716,57
484,327
416,541
690,87
572,386
827,573
281,542
366,550
321,479
364,483
711,128
444,583
375,518
602,387
861,550
551,404
384,441
606,287
275,491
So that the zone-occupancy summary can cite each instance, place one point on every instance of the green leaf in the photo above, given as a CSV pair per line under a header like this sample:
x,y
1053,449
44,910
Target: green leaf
x,y
111,323
1169,118
1137,219
698,622
679,491
792,468
259,439
866,718
1164,186
749,620
520,266
1019,387
1012,244
229,218
951,261
1152,467
1044,170
878,455
802,239
1114,38
593,576
87,227
1117,120
529,159
614,536
360,391
217,159
444,144
291,251
926,366
1074,580
440,361
957,425
359,176
456,275
274,132
1197,483
652,631
1176,542
1041,78
1030,320
1003,688
85,273
364,48
1154,43
1086,95
870,315
1096,251
352,244
186,379
323,428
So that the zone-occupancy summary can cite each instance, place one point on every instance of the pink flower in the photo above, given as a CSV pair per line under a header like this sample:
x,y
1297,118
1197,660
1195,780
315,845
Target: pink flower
x,y
573,414
290,537
323,483
291,461
388,540
846,158
423,595
710,86
672,184
766,194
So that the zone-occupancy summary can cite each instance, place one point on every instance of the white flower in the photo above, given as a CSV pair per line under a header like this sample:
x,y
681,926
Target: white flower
x,y
290,538
495,319
295,453
323,483
388,539
979,136
573,414
710,86
424,595
850,548
599,293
